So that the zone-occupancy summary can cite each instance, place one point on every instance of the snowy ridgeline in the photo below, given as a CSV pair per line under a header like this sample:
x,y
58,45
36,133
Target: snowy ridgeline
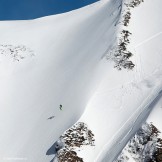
x,y
120,53
15,53
145,146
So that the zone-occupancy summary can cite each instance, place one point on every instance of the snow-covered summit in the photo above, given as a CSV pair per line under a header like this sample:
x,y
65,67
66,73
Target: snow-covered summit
x,y
56,69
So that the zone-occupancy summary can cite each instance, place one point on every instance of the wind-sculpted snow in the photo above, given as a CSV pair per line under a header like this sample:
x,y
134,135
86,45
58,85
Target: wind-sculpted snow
x,y
66,70
68,80
16,53
124,99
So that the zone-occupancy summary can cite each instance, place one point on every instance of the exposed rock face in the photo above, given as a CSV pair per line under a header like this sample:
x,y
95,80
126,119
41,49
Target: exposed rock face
x,y
145,146
77,136
120,54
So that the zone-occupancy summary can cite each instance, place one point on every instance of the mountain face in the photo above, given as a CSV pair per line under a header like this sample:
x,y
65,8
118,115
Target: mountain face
x,y
99,65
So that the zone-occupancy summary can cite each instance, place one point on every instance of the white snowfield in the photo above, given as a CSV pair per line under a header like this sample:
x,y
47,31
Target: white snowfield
x,y
59,60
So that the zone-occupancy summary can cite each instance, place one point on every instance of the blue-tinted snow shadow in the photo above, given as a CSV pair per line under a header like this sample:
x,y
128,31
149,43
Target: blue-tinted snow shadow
x,y
52,150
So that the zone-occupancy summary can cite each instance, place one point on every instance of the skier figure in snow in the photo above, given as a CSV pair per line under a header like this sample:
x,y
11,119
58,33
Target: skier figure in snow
x,y
60,107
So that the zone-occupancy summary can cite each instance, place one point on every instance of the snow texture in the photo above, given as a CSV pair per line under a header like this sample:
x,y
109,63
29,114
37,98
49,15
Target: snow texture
x,y
68,60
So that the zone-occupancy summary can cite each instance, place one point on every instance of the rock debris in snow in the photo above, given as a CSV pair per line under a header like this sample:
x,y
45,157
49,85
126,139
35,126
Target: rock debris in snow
x,y
77,136
120,54
17,53
145,146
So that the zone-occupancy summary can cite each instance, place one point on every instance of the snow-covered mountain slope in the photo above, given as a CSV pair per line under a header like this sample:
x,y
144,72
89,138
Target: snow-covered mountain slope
x,y
45,63
124,99
59,60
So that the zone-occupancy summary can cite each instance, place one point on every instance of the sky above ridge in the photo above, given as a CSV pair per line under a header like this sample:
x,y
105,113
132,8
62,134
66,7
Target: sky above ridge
x,y
29,9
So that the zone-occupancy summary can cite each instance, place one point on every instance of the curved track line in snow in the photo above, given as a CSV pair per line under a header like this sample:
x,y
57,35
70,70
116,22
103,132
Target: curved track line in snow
x,y
139,71
148,39
150,99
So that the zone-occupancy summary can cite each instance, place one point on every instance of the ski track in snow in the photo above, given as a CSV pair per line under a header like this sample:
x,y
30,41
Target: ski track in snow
x,y
149,100
148,39
67,75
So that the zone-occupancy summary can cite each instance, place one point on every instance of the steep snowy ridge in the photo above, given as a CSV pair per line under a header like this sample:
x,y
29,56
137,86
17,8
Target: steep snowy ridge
x,y
123,100
53,73
65,69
